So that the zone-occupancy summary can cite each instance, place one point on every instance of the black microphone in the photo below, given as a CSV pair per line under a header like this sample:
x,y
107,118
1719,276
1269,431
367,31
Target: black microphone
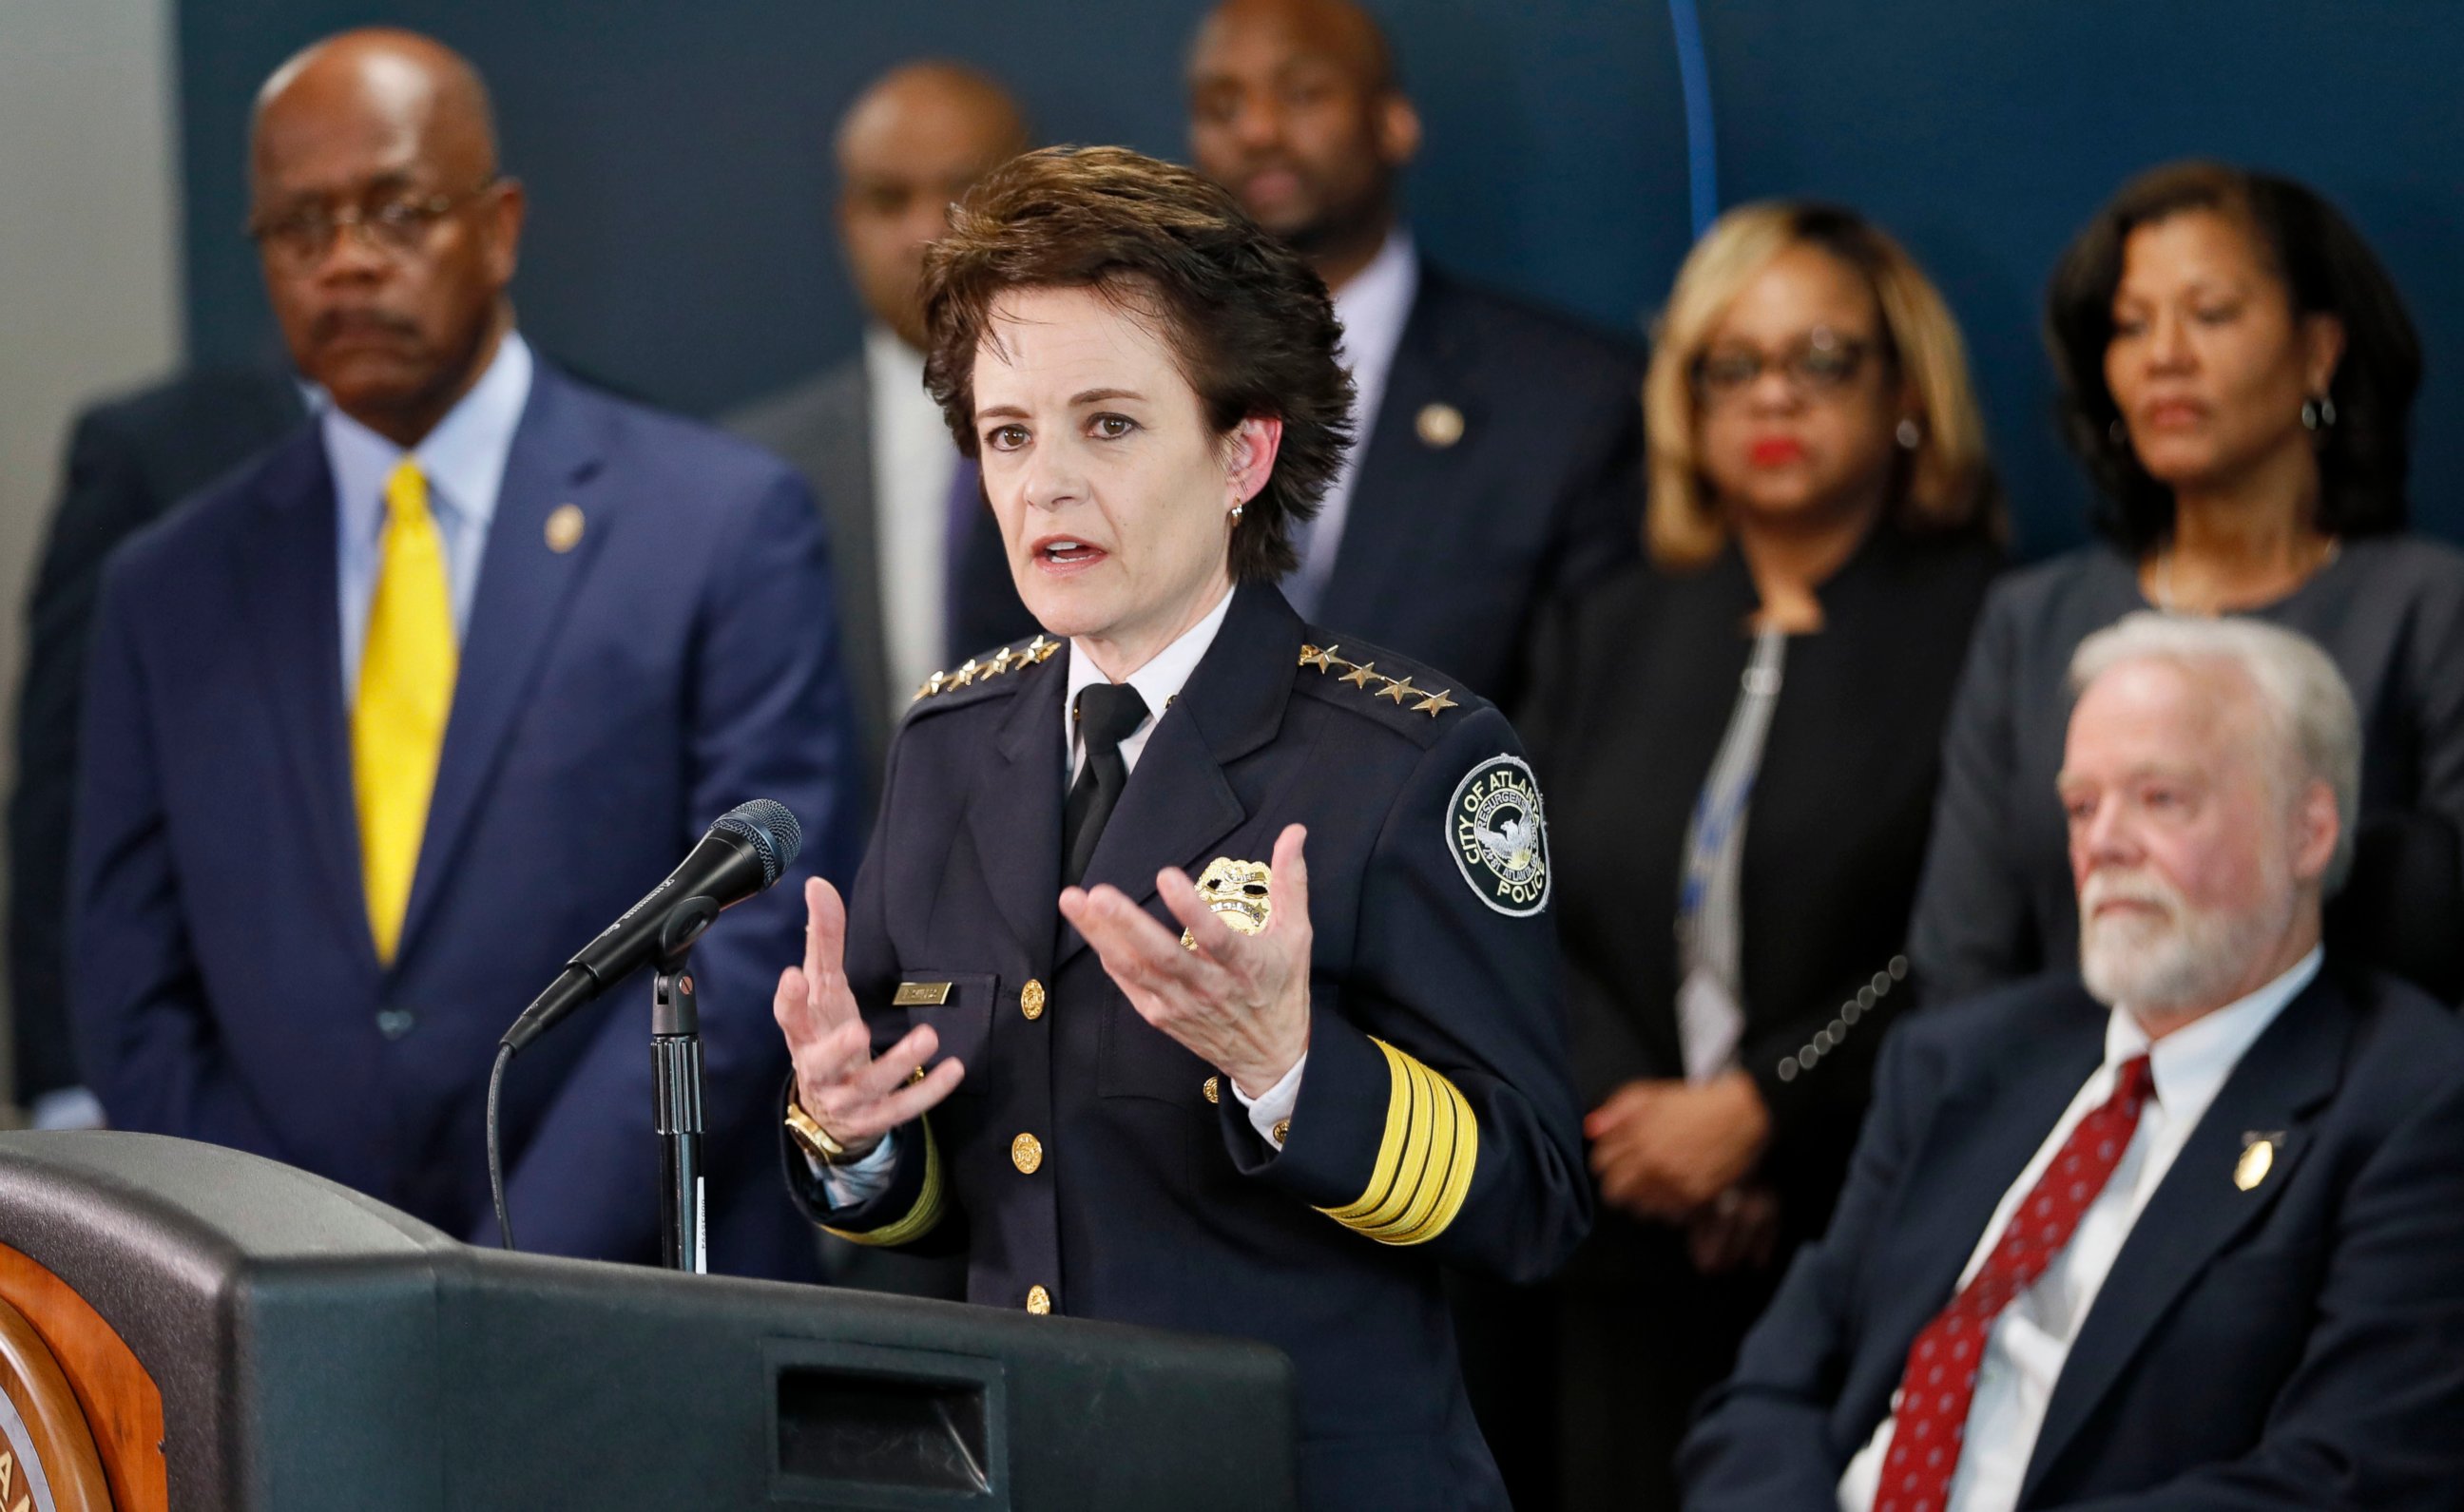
x,y
744,852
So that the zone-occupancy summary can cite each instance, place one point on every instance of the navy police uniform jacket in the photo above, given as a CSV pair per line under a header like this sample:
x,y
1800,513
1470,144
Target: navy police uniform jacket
x,y
1090,1165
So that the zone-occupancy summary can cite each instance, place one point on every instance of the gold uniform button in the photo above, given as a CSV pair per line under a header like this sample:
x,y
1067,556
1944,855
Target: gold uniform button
x,y
1439,426
1213,1087
1027,1153
1039,1301
1283,1132
1030,1000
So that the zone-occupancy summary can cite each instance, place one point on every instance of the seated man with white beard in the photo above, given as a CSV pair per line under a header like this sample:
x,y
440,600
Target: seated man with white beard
x,y
2184,1231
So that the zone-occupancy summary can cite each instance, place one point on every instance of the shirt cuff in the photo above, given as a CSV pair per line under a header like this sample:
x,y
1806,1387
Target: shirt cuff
x,y
1272,1109
860,1181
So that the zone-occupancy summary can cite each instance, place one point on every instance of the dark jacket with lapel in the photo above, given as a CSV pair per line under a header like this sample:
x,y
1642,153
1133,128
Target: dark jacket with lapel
x,y
2298,1345
1632,694
613,699
1156,1203
1452,545
128,462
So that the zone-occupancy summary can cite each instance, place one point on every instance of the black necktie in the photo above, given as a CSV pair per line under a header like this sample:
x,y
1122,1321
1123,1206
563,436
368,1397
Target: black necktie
x,y
1107,714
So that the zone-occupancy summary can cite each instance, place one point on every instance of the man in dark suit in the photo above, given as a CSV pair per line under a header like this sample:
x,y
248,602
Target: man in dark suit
x,y
1499,447
380,729
900,500
2180,1232
129,460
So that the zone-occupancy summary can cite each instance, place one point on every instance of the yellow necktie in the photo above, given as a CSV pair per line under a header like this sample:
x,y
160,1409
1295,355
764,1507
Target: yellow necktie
x,y
405,690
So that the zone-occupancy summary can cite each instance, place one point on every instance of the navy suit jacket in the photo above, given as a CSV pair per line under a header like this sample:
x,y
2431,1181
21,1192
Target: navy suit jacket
x,y
1454,542
2299,1345
613,699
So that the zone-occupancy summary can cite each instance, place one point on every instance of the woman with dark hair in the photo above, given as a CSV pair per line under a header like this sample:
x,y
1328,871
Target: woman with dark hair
x,y
1743,731
2237,373
1094,1018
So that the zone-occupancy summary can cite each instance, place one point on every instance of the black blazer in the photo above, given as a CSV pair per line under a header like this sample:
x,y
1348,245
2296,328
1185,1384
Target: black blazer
x,y
2298,1345
1454,541
129,460
1631,695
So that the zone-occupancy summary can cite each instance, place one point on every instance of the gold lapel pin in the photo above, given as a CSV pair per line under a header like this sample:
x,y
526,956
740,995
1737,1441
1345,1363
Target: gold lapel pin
x,y
1439,426
564,528
2258,1159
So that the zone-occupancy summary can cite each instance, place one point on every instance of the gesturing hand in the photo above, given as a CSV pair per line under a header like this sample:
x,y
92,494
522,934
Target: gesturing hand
x,y
1663,1148
1238,1003
855,1097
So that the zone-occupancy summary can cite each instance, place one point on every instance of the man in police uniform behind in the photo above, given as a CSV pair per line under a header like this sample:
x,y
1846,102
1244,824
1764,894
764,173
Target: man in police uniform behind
x,y
1204,952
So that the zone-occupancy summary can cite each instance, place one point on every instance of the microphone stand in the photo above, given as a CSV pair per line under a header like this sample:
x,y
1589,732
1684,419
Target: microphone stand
x,y
675,1069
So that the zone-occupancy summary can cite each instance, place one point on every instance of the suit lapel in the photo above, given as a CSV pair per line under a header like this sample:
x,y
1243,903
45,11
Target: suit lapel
x,y
289,567
522,590
1983,1140
1014,807
1178,801
1399,471
2198,1208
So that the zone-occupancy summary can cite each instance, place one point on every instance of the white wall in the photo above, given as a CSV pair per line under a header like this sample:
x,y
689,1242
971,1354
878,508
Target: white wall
x,y
89,251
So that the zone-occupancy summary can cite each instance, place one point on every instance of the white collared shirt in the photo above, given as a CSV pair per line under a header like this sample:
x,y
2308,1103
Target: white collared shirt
x,y
1373,309
463,460
912,462
1158,683
2032,1338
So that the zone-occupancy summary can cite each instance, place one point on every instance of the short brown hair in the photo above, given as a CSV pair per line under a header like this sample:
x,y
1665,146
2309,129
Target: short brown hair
x,y
1945,484
1249,322
2327,269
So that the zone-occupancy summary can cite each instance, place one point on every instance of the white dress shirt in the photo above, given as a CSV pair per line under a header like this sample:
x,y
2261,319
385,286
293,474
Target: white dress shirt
x,y
1373,309
2032,1338
913,462
1158,683
463,460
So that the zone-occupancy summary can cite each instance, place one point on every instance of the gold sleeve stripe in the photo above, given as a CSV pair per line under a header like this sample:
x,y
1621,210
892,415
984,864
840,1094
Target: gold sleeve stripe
x,y
1424,1160
920,1217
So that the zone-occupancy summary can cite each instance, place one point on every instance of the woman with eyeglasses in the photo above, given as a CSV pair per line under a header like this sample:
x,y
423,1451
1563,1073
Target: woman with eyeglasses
x,y
2237,374
1739,741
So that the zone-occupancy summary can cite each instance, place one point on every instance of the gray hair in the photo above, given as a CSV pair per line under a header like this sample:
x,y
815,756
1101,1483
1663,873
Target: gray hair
x,y
2308,710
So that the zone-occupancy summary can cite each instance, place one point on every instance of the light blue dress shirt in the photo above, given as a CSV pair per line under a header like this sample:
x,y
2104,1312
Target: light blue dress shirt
x,y
463,461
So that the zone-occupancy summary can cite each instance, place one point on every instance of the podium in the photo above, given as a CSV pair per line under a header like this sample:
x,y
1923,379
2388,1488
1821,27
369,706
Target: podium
x,y
187,1327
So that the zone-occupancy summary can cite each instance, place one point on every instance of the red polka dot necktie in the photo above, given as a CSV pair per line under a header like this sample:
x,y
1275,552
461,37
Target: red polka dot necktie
x,y
1940,1382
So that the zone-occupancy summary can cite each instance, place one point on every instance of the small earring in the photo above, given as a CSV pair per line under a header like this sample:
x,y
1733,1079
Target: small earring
x,y
1236,513
2317,415
1909,434
2116,432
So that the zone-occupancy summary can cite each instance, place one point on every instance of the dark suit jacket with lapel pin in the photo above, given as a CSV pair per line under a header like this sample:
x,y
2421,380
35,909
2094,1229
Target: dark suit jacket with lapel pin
x,y
1154,1200
1451,546
2295,1345
613,698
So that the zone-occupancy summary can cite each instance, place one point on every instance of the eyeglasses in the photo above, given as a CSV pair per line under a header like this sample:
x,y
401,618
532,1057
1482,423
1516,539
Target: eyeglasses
x,y
396,226
1822,362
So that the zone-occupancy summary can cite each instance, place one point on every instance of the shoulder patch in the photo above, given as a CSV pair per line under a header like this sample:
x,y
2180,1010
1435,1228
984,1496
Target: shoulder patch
x,y
1374,684
982,670
1499,835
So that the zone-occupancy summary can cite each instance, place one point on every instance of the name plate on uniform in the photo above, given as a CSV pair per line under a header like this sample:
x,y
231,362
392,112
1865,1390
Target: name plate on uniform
x,y
921,995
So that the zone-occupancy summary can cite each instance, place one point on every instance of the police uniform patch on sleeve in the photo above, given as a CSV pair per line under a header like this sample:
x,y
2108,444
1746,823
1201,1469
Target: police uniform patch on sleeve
x,y
1499,836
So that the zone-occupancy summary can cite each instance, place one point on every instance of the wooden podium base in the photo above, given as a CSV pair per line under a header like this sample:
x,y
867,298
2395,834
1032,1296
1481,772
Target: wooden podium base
x,y
88,1418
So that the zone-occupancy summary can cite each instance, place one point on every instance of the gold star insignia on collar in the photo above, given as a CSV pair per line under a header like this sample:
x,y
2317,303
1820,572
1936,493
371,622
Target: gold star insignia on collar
x,y
965,676
1359,676
1322,660
1430,705
1040,649
1400,690
999,662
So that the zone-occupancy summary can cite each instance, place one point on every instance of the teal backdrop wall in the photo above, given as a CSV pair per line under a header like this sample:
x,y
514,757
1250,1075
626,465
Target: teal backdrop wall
x,y
677,155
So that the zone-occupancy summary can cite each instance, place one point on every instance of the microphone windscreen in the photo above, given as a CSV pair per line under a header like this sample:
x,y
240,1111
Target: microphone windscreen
x,y
772,830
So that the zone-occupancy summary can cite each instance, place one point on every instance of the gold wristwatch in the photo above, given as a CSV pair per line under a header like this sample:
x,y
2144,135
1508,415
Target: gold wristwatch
x,y
817,1142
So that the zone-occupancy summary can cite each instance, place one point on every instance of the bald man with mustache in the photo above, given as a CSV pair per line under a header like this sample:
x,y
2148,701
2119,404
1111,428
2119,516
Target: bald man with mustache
x,y
383,727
